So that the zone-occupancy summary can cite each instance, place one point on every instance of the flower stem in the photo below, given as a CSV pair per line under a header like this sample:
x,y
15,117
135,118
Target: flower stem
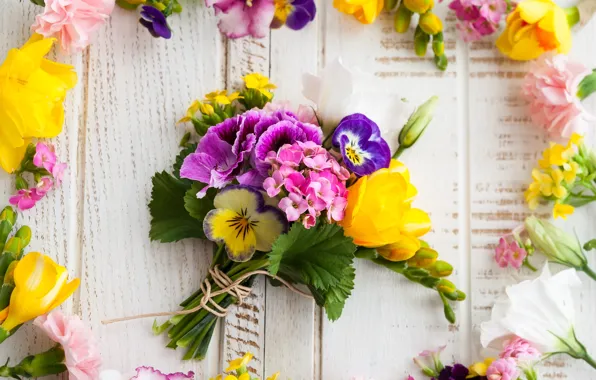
x,y
589,271
587,86
399,151
588,359
530,266
572,15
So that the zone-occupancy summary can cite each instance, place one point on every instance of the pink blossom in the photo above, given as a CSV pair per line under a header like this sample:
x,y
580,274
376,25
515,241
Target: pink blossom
x,y
72,22
26,199
467,31
320,192
519,348
551,88
82,355
309,221
508,252
502,369
58,173
294,206
241,18
44,157
337,208
44,185
150,373
318,162
296,183
491,10
273,184
289,155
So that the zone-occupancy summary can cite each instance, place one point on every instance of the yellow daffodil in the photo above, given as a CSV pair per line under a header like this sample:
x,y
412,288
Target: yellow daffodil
x,y
32,93
562,210
533,28
196,106
260,83
480,368
365,11
40,286
379,213
236,364
222,97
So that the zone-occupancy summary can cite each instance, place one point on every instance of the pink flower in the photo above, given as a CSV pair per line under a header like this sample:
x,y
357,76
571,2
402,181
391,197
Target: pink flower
x,y
309,221
318,162
26,199
296,183
241,18
58,173
273,184
519,348
305,114
44,157
44,185
150,373
72,22
492,10
294,206
320,192
551,88
80,349
467,31
290,155
509,253
336,211
502,369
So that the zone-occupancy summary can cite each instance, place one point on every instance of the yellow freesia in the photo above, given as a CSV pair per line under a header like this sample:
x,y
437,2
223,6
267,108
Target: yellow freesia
x,y
533,28
365,11
32,93
379,213
40,286
259,83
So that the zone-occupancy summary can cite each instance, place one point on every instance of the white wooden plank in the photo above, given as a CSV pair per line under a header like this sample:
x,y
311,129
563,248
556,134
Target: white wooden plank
x,y
386,310
53,220
138,87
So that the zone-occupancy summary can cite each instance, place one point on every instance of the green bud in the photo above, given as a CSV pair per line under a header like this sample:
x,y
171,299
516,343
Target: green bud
x,y
14,245
556,244
449,313
430,282
446,286
461,296
184,140
441,269
424,258
417,123
9,276
590,245
419,6
441,62
438,44
41,3
403,17
421,40
587,86
5,293
24,233
417,272
47,363
9,215
390,5
453,296
5,260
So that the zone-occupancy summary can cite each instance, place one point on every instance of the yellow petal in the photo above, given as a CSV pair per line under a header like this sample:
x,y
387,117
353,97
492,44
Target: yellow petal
x,y
3,314
240,243
11,157
415,222
403,249
532,11
562,210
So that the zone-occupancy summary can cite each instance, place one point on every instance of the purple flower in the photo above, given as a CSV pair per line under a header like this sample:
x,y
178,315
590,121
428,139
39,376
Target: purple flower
x,y
155,21
363,149
241,18
457,372
296,14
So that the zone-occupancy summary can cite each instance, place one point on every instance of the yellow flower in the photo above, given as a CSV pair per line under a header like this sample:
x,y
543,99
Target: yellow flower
x,y
365,11
379,213
274,376
40,286
575,139
570,172
562,210
259,83
419,6
533,195
236,364
550,184
196,106
479,369
32,92
244,376
221,97
533,28
431,23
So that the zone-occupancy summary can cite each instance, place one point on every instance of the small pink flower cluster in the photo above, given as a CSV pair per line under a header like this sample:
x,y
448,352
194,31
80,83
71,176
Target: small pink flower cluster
x,y
478,18
44,158
514,351
508,252
518,348
503,369
311,181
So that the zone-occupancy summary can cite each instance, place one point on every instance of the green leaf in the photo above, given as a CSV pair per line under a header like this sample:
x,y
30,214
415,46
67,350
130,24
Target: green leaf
x,y
590,245
320,255
198,208
191,148
336,297
169,219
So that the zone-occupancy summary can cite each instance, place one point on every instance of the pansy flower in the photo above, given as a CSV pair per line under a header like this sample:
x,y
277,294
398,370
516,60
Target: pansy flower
x,y
363,149
296,14
243,223
155,21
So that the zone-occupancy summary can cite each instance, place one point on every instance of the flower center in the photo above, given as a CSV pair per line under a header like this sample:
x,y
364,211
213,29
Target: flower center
x,y
353,155
242,224
249,3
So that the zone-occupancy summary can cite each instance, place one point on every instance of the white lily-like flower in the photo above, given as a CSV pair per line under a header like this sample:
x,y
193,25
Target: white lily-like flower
x,y
339,92
540,311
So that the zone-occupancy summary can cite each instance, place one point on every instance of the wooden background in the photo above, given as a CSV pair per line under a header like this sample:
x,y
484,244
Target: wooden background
x,y
470,168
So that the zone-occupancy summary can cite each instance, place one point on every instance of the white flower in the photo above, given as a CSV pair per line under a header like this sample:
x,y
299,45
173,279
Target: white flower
x,y
540,311
340,92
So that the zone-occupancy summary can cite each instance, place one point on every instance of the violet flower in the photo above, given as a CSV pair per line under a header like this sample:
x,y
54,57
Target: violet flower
x,y
296,14
155,21
455,372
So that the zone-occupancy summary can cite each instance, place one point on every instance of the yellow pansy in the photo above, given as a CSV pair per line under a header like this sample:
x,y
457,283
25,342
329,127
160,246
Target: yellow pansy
x,y
222,97
32,93
480,368
365,11
259,83
561,210
379,213
533,28
236,364
40,286
196,106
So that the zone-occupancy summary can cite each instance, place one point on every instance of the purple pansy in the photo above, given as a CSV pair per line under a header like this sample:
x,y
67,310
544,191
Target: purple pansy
x,y
296,14
241,18
455,372
363,149
155,21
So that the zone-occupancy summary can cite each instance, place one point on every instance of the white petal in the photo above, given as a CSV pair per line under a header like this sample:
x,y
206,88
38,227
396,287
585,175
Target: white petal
x,y
110,374
493,330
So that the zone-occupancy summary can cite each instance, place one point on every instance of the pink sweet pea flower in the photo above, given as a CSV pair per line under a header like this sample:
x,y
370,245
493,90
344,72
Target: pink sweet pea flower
x,y
25,199
502,369
241,18
82,356
72,22
44,157
551,87
519,348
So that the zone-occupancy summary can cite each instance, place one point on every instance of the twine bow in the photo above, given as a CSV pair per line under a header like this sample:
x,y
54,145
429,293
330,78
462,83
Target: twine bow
x,y
226,285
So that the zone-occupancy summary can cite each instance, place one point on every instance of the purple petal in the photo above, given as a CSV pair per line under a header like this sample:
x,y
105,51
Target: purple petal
x,y
274,138
151,13
163,30
313,132
215,155
304,12
251,178
356,125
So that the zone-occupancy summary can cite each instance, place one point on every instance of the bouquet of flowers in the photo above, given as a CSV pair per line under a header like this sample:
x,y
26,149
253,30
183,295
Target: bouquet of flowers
x,y
283,195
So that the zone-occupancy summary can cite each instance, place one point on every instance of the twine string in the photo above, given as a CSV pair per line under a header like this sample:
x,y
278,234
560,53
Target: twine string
x,y
226,285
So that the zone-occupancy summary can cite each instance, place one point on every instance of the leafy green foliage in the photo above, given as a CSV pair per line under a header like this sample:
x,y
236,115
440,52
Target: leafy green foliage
x,y
170,221
321,258
198,208
187,150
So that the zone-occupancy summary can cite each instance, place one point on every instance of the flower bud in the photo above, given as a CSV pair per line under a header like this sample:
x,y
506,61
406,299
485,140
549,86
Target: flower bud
x,y
449,313
446,286
417,123
21,183
424,258
5,260
403,18
24,233
419,6
9,215
461,296
441,62
421,40
441,269
430,23
430,282
556,244
438,44
416,273
390,5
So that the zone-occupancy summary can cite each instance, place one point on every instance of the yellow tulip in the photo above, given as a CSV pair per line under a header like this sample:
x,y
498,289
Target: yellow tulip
x,y
40,286
379,213
533,28
32,92
365,11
